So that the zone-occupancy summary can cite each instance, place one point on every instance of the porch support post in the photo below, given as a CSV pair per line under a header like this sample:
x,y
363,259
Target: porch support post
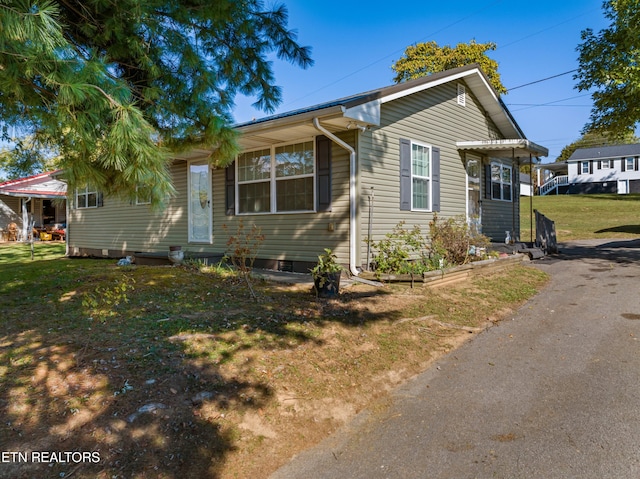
x,y
515,194
531,200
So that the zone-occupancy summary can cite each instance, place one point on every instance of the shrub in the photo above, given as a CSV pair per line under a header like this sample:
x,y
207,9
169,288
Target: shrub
x,y
401,251
408,251
242,250
451,240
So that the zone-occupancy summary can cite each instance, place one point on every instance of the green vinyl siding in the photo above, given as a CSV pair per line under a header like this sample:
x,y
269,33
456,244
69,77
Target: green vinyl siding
x,y
296,236
432,117
501,216
122,227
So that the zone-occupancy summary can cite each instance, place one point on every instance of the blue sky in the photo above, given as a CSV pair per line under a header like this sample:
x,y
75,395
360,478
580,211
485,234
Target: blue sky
x,y
355,43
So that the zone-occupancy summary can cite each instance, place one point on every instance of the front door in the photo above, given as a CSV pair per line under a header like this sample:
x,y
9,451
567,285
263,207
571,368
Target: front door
x,y
199,203
474,214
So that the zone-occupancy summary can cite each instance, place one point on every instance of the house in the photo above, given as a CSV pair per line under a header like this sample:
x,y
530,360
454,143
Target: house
x,y
331,176
604,169
39,199
526,186
552,178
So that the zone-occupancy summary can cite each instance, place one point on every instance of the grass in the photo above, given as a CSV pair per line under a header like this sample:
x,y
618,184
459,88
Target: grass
x,y
586,216
170,372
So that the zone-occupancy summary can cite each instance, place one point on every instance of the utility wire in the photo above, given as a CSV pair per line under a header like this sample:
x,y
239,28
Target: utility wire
x,y
551,103
440,30
542,79
395,52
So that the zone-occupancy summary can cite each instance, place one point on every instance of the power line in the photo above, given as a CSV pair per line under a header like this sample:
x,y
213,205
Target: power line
x,y
395,52
552,103
545,104
541,80
445,28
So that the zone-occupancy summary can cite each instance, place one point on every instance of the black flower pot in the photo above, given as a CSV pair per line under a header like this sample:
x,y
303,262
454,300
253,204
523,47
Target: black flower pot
x,y
327,285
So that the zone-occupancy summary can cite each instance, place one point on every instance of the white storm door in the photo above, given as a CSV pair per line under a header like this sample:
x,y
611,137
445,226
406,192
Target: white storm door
x,y
474,210
199,203
623,187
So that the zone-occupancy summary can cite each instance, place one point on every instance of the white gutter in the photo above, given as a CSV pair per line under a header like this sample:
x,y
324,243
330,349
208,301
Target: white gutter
x,y
352,194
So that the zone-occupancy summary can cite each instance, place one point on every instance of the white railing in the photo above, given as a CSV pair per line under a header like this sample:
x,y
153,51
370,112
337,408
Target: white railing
x,y
553,183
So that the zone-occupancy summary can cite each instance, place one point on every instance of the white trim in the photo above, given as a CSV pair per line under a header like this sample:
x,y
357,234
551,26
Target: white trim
x,y
512,147
502,166
86,194
273,179
623,187
138,202
626,160
427,178
441,81
353,195
190,237
581,169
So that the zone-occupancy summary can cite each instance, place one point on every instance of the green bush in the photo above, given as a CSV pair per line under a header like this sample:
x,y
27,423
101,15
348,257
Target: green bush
x,y
404,250
400,251
451,240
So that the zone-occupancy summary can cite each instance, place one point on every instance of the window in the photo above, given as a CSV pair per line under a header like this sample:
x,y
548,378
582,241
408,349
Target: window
x,y
420,177
86,197
280,179
143,195
630,163
584,167
254,182
501,182
605,164
294,165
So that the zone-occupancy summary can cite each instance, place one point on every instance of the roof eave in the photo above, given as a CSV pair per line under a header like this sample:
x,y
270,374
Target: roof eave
x,y
510,148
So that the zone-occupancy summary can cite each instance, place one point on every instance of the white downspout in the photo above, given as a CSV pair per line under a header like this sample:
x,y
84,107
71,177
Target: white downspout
x,y
352,194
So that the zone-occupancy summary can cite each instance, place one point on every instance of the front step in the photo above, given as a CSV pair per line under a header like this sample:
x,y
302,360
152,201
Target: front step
x,y
533,253
529,249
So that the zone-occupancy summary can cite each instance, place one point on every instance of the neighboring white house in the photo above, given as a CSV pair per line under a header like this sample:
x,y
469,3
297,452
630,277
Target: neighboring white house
x,y
39,199
604,169
526,186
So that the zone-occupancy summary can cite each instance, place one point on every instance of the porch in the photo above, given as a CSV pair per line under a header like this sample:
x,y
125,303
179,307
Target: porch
x,y
556,185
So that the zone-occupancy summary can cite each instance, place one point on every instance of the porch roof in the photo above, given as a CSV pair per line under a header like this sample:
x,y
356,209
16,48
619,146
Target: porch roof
x,y
559,167
519,149
43,185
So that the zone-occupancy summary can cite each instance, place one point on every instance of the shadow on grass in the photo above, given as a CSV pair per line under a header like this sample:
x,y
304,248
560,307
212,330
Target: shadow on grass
x,y
631,229
612,196
618,251
132,386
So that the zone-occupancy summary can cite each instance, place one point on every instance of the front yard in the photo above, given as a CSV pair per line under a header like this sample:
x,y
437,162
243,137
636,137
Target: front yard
x,y
174,372
585,216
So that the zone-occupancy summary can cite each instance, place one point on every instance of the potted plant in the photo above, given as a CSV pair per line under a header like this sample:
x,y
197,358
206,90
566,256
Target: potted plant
x,y
326,275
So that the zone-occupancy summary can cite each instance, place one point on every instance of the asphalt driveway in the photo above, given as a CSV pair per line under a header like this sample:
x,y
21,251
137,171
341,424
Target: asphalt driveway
x,y
553,392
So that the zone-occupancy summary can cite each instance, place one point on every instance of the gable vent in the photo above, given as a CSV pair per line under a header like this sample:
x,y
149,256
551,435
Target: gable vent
x,y
462,95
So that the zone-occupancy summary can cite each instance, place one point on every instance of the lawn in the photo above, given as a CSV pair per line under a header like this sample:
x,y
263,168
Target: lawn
x,y
174,372
586,216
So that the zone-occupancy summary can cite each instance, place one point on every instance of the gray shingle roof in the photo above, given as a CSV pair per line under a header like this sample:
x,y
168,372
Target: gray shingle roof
x,y
600,152
364,97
